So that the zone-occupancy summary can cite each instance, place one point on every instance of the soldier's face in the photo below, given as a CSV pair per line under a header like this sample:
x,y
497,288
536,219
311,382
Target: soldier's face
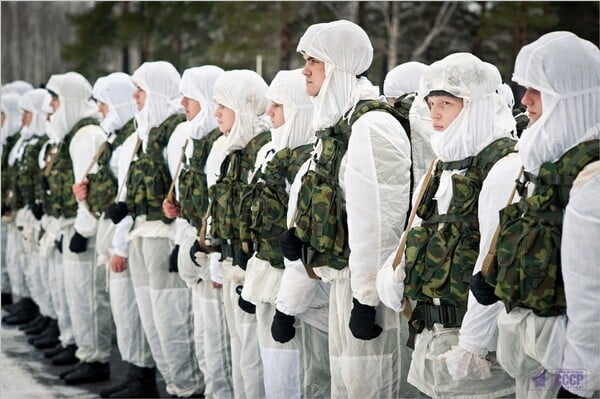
x,y
275,114
443,110
191,107
55,103
314,71
225,118
140,98
532,99
103,109
26,118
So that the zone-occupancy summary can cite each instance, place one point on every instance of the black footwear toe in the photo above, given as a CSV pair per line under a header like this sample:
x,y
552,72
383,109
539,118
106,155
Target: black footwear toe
x,y
69,371
50,353
67,356
89,372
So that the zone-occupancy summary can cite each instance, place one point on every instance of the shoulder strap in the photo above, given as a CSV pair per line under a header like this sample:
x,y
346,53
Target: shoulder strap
x,y
299,156
570,165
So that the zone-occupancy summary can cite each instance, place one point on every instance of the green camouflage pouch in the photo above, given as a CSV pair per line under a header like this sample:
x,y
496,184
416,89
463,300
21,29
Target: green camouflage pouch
x,y
415,254
303,218
269,221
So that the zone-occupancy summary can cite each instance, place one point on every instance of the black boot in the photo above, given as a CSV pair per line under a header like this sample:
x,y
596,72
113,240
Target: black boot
x,y
28,312
88,372
50,353
143,386
67,356
38,327
49,338
69,371
51,330
36,320
6,299
12,307
132,373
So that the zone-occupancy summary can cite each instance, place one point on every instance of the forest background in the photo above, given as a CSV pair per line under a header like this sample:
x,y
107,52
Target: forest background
x,y
39,39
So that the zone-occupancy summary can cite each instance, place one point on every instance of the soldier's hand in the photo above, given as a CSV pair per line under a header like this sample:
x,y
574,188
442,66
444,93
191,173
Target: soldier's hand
x,y
362,321
246,306
117,212
38,210
118,264
173,268
482,291
80,190
242,257
282,328
290,244
78,243
170,209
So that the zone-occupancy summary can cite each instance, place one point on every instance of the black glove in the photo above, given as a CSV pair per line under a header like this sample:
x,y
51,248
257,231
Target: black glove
x,y
564,393
44,183
291,246
173,260
246,306
242,257
195,248
362,321
78,243
38,210
482,291
282,328
58,244
117,212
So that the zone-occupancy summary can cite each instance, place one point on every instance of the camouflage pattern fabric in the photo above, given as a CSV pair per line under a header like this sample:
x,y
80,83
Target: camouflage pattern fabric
x,y
149,177
193,189
266,202
103,185
520,115
528,263
321,221
8,172
27,181
59,200
403,104
440,260
225,194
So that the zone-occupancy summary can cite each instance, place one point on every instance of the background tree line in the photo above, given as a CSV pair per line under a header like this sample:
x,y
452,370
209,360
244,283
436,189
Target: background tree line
x,y
95,38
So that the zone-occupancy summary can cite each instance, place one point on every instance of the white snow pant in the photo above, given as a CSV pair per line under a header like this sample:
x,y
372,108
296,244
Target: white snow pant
x,y
14,263
47,284
59,297
247,369
35,281
282,363
430,375
164,303
315,361
5,280
89,306
131,339
523,340
365,368
211,336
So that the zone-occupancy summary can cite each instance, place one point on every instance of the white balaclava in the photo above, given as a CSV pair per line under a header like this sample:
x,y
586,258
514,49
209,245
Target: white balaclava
x,y
116,91
403,79
566,71
9,103
288,88
37,102
484,117
75,96
18,86
160,82
242,91
198,83
346,50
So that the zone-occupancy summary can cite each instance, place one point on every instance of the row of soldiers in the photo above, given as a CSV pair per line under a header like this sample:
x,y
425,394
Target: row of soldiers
x,y
289,240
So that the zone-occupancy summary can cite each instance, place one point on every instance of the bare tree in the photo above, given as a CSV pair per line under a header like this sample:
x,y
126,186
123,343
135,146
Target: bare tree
x,y
441,21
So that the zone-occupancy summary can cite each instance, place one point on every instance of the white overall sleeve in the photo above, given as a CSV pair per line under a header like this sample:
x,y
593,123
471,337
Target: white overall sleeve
x,y
376,182
120,245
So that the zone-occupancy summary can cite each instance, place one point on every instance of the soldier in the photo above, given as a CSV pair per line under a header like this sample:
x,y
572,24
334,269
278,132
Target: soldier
x,y
547,248
454,203
351,208
163,299
189,148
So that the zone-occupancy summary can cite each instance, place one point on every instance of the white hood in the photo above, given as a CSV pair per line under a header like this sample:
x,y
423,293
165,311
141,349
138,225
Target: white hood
x,y
115,90
198,83
403,79
9,103
37,102
160,81
74,93
346,50
242,91
484,117
288,88
17,86
566,70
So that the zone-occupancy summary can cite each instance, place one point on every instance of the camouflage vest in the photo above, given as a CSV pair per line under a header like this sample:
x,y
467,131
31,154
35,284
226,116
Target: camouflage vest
x,y
226,193
59,200
402,105
521,118
265,202
149,177
321,211
528,270
440,261
102,186
27,183
8,172
193,189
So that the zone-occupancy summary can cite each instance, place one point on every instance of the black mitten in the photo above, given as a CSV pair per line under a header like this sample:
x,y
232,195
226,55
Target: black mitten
x,y
282,328
58,244
44,183
38,210
78,243
290,244
242,257
246,306
482,291
173,268
564,393
195,248
362,321
117,212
